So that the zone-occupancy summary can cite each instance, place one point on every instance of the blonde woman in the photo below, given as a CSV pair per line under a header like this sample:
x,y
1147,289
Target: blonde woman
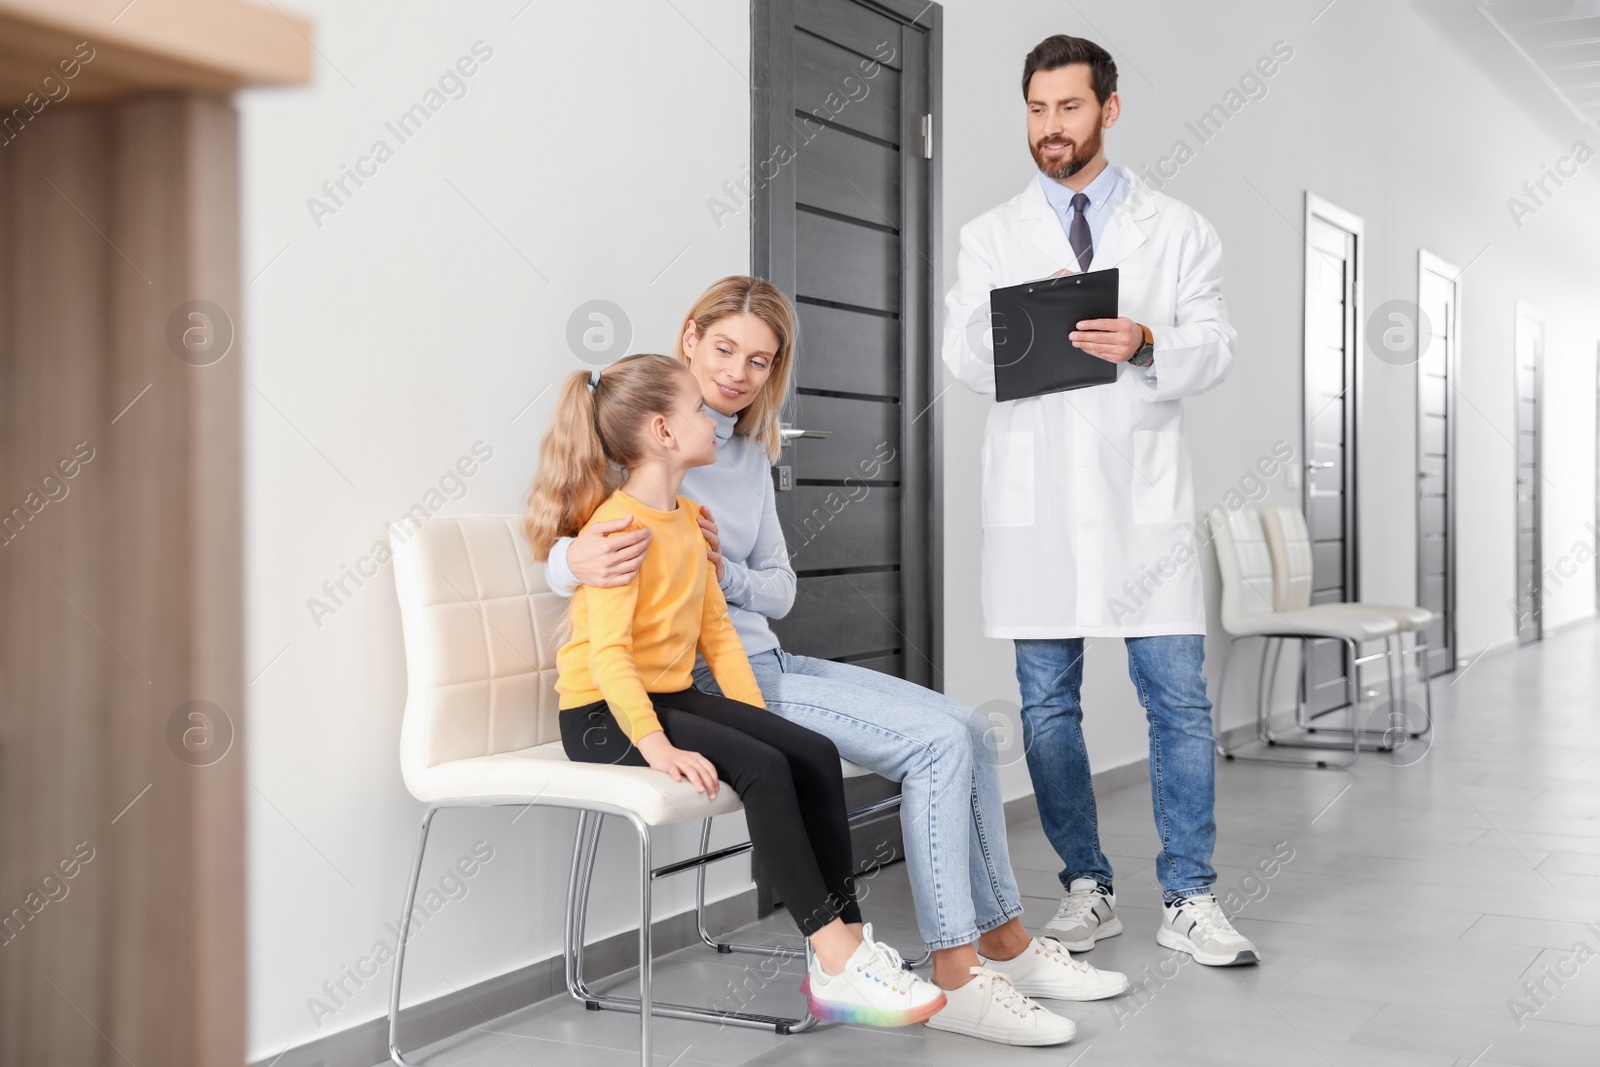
x,y
738,343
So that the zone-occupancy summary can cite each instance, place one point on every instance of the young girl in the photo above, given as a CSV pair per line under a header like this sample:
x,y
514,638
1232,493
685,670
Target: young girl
x,y
625,676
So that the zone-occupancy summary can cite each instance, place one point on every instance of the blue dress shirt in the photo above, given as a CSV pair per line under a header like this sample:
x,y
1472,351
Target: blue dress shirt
x,y
1104,193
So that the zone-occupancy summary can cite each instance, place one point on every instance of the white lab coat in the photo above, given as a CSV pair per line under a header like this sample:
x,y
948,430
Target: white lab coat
x,y
1089,524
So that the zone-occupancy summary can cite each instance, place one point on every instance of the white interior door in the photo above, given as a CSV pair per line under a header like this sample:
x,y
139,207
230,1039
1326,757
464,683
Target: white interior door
x,y
1530,552
1332,404
1438,295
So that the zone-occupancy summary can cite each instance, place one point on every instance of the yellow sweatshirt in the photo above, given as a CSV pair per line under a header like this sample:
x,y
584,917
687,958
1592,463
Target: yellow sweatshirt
x,y
632,640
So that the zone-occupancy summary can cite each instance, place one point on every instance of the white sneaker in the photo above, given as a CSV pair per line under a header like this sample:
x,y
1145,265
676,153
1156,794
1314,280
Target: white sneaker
x,y
1087,913
1198,926
1046,969
988,1007
871,990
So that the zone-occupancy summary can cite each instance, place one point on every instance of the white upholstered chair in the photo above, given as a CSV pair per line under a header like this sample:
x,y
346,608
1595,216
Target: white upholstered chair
x,y
1289,545
480,729
1249,609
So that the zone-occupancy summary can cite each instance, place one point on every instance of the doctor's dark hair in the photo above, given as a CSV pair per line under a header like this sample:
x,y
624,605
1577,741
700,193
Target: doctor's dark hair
x,y
592,438
1052,53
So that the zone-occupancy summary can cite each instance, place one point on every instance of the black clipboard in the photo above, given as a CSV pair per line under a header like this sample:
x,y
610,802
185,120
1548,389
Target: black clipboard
x,y
1030,323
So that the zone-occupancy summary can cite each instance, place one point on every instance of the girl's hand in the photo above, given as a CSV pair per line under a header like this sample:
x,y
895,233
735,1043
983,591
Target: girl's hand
x,y
663,756
598,558
708,527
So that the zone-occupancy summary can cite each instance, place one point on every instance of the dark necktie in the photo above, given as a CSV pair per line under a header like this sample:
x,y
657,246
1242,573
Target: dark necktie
x,y
1082,243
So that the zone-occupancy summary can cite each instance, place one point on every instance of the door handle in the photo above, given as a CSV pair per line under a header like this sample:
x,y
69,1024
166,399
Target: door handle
x,y
790,432
1314,465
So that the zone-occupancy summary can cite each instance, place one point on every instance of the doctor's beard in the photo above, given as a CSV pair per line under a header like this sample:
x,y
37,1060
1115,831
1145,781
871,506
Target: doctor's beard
x,y
1073,164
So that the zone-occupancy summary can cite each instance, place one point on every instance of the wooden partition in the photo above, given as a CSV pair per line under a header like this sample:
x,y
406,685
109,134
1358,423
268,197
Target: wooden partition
x,y
122,786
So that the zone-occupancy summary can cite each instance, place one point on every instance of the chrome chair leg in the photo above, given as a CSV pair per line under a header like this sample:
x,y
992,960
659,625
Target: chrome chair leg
x,y
1218,706
1372,740
583,853
778,951
584,850
724,947
1222,697
404,936
646,932
1265,679
1221,703
1427,685
810,1020
1263,713
1359,735
1419,649
578,879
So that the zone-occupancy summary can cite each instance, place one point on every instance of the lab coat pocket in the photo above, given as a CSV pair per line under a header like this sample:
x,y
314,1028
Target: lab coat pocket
x,y
1161,490
1008,479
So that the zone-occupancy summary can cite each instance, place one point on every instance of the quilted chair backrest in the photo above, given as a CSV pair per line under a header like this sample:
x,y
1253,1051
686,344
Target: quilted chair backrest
x,y
1289,544
481,633
1246,569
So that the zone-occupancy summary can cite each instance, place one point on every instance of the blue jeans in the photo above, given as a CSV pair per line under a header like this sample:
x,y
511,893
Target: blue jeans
x,y
941,752
1167,672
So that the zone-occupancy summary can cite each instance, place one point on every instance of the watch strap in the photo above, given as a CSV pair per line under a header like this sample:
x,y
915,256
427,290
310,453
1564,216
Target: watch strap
x,y
1146,354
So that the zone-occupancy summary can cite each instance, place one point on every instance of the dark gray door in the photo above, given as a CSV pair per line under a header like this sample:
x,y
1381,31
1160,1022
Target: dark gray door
x,y
844,172
1438,290
1530,566
1331,398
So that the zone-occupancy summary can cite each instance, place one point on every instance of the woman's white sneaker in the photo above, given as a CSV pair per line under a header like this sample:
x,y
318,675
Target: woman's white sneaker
x,y
1087,914
988,1007
1198,926
871,990
1047,969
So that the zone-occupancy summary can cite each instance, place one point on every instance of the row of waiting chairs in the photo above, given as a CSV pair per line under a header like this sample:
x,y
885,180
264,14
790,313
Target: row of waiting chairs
x,y
1264,556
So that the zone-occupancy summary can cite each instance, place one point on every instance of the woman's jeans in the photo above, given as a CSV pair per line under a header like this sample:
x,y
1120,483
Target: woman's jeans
x,y
1166,671
940,751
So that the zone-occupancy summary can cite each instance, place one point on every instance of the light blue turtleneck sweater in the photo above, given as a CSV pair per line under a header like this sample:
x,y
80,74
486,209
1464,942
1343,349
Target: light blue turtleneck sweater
x,y
758,581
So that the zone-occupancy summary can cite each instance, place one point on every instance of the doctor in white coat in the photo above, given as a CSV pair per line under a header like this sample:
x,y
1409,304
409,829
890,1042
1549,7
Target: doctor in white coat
x,y
1088,505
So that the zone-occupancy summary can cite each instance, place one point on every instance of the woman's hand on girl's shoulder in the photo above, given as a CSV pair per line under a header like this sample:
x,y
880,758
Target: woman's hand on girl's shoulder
x,y
664,756
607,553
708,529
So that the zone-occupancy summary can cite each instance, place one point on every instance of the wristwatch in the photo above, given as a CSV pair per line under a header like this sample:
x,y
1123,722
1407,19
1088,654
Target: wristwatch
x,y
1147,352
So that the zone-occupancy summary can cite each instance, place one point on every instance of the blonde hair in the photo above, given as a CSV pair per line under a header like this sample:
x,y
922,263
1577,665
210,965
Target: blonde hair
x,y
740,294
592,437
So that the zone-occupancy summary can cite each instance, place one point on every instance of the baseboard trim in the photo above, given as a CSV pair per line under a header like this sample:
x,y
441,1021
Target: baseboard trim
x,y
366,1044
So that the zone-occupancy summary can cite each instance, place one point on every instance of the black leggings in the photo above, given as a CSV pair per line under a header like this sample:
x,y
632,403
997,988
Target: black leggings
x,y
787,776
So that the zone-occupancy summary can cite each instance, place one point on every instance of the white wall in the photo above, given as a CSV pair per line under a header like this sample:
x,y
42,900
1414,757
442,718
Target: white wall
x,y
414,322
379,347
1378,114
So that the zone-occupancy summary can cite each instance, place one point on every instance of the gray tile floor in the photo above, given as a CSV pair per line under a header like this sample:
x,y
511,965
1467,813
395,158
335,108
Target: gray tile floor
x,y
1422,893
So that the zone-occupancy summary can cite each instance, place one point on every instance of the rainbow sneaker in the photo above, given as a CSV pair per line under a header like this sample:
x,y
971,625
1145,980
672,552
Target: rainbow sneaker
x,y
872,990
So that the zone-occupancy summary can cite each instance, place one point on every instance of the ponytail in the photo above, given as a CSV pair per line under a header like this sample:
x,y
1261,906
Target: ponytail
x,y
592,437
572,479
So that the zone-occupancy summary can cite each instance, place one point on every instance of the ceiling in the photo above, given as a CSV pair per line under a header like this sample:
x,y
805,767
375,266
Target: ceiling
x,y
1544,53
